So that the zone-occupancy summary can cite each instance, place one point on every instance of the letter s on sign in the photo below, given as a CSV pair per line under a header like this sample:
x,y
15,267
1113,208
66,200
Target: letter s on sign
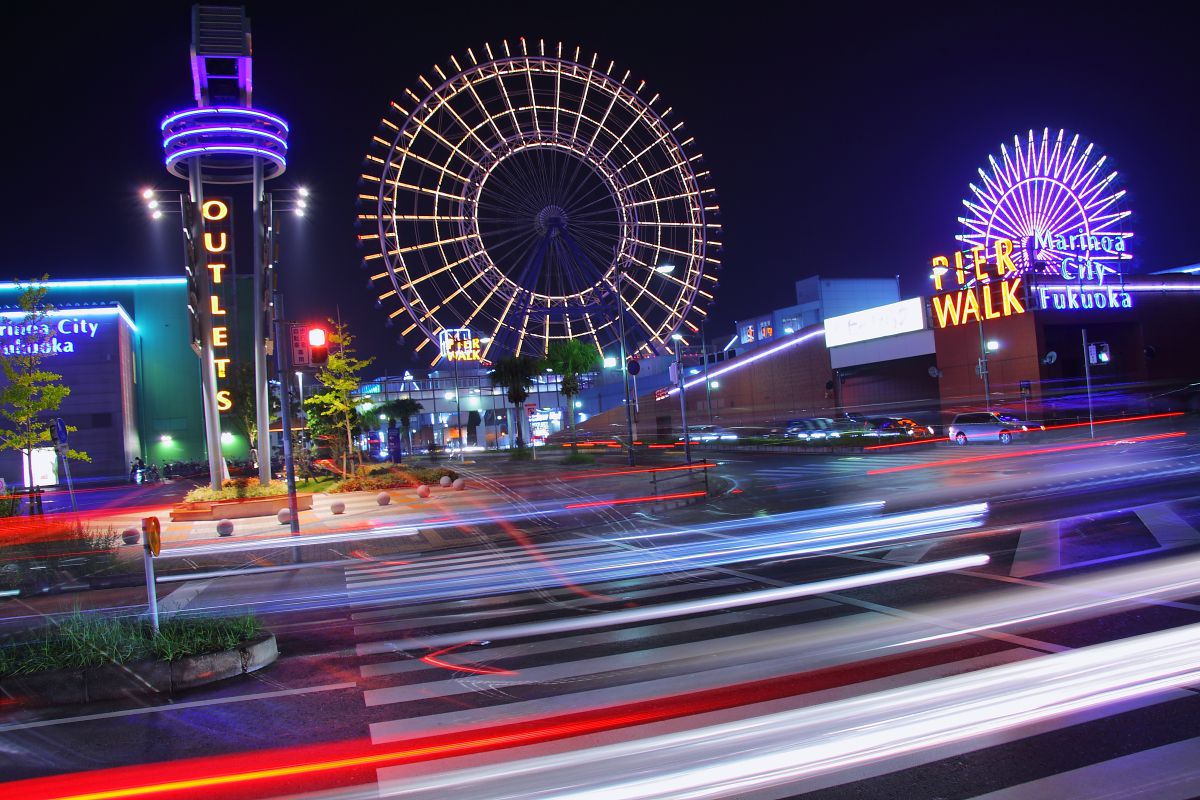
x,y
224,401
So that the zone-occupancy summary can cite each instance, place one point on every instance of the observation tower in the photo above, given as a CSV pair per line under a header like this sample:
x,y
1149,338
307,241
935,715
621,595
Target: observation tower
x,y
224,140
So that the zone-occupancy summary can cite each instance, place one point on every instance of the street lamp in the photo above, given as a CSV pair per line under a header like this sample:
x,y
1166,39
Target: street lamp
x,y
624,361
679,377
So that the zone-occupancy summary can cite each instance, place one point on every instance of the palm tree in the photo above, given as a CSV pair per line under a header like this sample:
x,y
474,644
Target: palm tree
x,y
571,358
404,410
515,374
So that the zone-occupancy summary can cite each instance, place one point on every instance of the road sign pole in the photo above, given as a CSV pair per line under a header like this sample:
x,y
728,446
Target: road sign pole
x,y
151,544
70,484
1087,377
58,432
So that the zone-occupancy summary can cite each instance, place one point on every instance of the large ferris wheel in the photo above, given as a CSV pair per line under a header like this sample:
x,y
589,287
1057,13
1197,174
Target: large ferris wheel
x,y
533,197
1058,200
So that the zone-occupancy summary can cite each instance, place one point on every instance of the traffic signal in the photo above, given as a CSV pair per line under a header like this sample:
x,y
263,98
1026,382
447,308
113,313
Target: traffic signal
x,y
1103,355
318,346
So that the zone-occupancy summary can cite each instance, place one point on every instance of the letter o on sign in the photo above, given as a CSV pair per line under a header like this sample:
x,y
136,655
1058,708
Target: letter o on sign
x,y
214,210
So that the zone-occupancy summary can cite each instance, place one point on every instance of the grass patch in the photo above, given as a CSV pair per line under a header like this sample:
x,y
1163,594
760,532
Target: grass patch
x,y
574,456
321,484
81,641
236,489
521,454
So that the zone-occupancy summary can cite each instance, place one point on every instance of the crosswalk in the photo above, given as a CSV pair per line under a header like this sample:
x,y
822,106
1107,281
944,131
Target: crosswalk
x,y
713,665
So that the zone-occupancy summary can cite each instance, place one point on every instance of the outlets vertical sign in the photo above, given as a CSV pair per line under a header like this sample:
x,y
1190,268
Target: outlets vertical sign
x,y
218,252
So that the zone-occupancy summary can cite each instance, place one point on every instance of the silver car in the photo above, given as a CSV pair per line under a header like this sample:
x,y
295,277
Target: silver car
x,y
981,426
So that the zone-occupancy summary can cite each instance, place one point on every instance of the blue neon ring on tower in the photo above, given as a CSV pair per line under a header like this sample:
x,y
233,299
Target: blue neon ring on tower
x,y
226,140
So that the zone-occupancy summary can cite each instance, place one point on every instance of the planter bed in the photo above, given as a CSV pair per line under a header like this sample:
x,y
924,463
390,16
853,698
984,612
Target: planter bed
x,y
116,681
237,509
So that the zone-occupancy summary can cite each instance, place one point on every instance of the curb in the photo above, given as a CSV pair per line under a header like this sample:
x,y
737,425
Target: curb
x,y
117,681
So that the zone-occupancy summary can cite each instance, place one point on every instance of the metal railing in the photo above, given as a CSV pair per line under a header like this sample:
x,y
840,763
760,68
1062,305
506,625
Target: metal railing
x,y
671,479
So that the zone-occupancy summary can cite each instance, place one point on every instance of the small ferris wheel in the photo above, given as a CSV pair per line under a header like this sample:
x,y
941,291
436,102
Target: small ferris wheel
x,y
533,197
1057,200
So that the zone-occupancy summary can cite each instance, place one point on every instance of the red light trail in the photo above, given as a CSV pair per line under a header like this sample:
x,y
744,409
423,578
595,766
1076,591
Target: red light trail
x,y
626,500
1019,453
273,772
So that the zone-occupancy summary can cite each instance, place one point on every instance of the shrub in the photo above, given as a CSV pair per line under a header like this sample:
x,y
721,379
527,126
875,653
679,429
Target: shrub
x,y
44,552
80,641
236,489
391,477
576,457
10,504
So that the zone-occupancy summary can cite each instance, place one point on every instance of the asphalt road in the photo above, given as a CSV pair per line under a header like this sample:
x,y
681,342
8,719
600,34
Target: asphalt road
x,y
570,650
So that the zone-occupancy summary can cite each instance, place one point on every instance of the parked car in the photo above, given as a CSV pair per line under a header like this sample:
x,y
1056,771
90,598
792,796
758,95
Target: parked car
x,y
987,426
814,429
899,426
709,433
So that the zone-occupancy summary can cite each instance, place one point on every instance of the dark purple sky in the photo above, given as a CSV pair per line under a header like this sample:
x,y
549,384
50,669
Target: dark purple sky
x,y
841,141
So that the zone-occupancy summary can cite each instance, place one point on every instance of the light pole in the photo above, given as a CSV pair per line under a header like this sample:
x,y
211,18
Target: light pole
x,y
707,382
624,362
687,439
462,453
983,367
1087,377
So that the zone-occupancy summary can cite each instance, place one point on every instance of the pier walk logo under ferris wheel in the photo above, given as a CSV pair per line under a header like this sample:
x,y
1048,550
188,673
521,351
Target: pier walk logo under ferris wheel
x,y
1060,203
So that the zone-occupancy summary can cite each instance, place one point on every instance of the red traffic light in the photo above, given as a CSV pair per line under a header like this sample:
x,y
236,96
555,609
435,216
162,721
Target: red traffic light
x,y
318,350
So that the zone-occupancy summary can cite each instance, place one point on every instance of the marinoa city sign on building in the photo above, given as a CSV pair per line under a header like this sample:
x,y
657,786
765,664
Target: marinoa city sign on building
x,y
990,288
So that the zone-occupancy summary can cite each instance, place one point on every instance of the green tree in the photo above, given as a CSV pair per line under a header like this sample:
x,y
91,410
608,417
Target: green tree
x,y
31,393
572,358
245,415
404,410
516,374
340,378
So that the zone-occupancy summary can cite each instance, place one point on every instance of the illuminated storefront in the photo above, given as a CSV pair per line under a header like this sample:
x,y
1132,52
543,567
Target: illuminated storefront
x,y
123,347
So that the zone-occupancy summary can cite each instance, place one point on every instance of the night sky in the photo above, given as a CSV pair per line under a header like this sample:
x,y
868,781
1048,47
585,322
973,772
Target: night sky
x,y
841,141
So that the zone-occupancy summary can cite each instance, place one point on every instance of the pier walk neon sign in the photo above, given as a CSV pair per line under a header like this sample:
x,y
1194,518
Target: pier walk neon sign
x,y
976,297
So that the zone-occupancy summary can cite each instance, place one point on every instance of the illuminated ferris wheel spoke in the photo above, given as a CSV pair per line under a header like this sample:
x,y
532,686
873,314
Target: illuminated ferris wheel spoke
x,y
1055,200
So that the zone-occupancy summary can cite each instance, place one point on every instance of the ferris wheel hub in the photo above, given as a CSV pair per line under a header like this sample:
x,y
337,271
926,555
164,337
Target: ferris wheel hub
x,y
551,220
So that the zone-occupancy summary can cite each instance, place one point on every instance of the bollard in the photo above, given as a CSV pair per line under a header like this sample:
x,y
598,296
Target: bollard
x,y
284,516
383,498
444,481
422,491
459,484
225,527
337,507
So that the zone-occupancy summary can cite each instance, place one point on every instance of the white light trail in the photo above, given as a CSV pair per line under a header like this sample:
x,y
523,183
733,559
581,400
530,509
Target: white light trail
x,y
667,610
736,759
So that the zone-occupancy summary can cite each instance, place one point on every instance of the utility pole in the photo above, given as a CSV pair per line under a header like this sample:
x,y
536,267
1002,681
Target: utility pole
x,y
624,362
1087,377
